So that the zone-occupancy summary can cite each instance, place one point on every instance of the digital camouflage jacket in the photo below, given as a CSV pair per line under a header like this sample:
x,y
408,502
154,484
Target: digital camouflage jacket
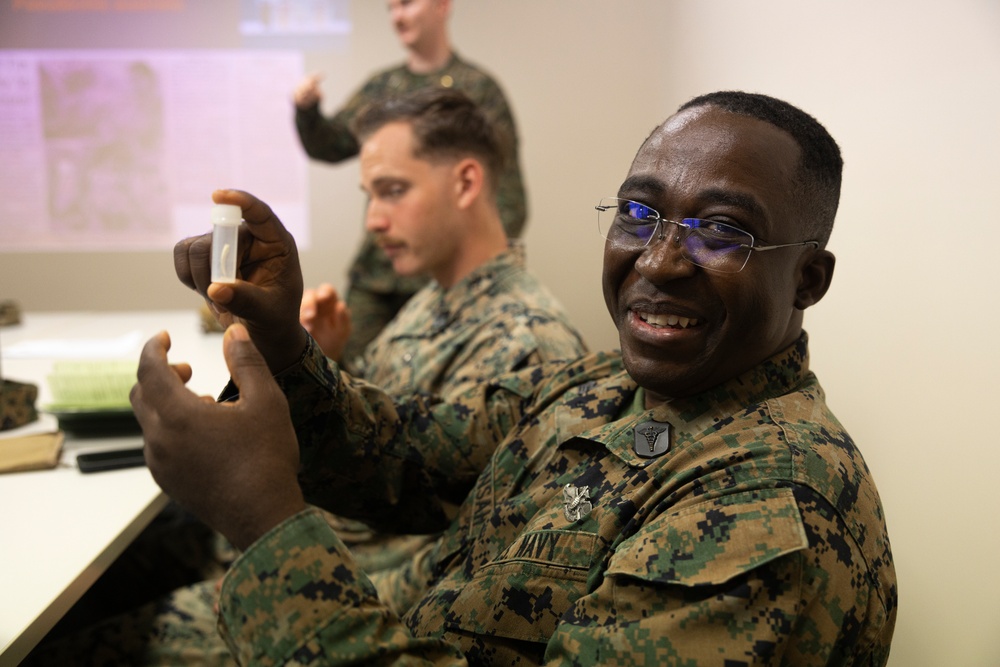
x,y
740,526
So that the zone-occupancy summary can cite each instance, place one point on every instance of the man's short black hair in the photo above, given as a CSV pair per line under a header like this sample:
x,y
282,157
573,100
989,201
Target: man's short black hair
x,y
445,122
821,165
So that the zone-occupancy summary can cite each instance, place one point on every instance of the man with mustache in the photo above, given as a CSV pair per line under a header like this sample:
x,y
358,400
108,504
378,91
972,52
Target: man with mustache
x,y
375,293
430,162
691,500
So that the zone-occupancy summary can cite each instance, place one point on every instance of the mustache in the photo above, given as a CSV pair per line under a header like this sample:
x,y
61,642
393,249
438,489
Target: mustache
x,y
383,241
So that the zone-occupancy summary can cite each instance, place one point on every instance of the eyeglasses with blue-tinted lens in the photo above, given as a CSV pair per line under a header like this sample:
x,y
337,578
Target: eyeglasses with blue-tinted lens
x,y
711,245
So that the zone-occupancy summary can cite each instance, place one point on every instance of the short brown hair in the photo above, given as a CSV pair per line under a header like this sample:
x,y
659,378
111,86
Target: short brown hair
x,y
445,123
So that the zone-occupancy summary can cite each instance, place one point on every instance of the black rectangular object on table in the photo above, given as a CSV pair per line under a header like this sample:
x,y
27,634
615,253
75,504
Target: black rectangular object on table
x,y
110,460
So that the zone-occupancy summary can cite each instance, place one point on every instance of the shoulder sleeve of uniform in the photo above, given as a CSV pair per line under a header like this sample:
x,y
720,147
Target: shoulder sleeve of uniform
x,y
556,338
297,597
484,90
374,88
516,340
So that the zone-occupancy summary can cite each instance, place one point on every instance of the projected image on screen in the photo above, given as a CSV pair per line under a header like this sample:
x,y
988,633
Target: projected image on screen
x,y
119,117
104,148
120,150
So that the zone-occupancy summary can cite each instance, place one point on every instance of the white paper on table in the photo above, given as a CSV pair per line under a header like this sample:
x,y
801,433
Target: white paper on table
x,y
70,348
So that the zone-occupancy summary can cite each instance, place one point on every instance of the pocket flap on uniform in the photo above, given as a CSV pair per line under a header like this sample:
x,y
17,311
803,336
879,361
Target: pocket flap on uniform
x,y
524,592
714,541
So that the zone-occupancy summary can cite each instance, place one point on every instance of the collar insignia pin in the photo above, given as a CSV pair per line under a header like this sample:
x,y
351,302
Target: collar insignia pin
x,y
576,502
652,439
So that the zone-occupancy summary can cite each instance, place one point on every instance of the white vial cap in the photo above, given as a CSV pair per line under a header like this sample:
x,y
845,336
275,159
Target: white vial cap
x,y
226,214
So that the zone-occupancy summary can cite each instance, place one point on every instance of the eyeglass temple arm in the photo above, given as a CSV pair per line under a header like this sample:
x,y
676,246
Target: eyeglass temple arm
x,y
814,244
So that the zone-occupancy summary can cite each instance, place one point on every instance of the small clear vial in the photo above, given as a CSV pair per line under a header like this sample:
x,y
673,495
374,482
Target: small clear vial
x,y
226,220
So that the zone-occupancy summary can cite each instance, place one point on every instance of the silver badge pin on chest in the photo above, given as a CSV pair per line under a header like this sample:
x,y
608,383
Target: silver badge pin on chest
x,y
576,502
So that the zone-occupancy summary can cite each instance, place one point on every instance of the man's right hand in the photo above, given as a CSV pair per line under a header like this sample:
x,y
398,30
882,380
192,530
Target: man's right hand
x,y
234,464
307,94
327,319
268,290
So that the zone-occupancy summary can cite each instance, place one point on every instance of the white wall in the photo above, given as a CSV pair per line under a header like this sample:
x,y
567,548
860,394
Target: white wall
x,y
909,88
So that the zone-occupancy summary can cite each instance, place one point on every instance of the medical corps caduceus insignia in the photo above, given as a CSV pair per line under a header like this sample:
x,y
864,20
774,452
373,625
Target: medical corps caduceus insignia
x,y
652,439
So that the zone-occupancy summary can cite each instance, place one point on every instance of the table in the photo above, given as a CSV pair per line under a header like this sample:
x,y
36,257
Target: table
x,y
60,529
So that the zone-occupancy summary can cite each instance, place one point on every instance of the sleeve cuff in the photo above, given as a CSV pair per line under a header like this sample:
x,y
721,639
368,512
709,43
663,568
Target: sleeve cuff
x,y
286,588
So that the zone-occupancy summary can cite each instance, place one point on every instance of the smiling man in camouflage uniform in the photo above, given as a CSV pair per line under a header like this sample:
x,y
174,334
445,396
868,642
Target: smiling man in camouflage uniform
x,y
689,501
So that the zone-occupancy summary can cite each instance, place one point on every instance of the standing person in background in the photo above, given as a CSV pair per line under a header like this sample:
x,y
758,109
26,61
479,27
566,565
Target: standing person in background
x,y
375,292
